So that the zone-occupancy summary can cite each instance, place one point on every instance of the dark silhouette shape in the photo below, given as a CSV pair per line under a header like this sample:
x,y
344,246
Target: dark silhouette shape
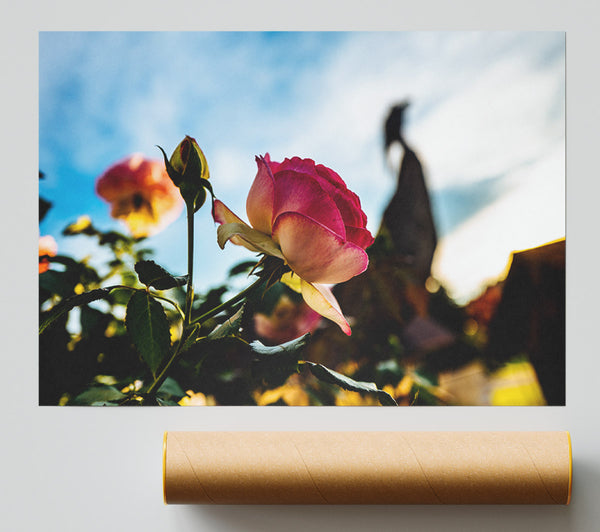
x,y
407,227
530,318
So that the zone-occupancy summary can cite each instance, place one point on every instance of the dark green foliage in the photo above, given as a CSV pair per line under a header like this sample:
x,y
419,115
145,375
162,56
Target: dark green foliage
x,y
242,267
99,396
272,365
170,391
333,377
155,276
148,328
230,327
67,304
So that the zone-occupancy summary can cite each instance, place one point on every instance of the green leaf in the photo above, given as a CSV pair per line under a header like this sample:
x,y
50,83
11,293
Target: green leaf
x,y
112,238
242,267
230,327
99,395
59,283
191,338
93,322
148,328
175,176
274,364
170,389
151,274
166,402
293,347
67,304
333,377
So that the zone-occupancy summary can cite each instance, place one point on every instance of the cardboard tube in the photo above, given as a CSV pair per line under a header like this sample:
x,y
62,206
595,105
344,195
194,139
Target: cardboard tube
x,y
367,467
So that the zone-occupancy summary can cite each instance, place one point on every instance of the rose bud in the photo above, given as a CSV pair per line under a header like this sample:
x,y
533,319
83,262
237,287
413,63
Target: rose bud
x,y
141,195
303,214
188,169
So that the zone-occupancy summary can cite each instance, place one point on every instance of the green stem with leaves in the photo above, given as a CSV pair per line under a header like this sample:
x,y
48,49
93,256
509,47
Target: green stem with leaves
x,y
220,308
188,324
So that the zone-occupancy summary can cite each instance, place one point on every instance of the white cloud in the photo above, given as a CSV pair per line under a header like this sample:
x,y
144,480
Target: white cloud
x,y
530,214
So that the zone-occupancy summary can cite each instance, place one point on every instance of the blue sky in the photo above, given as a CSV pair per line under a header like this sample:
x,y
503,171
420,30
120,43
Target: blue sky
x,y
487,118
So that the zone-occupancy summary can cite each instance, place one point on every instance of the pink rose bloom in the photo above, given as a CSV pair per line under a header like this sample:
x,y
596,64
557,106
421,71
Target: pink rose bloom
x,y
141,195
304,214
47,246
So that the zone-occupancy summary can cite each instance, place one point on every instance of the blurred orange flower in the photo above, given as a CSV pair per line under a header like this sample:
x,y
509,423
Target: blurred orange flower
x,y
47,246
141,195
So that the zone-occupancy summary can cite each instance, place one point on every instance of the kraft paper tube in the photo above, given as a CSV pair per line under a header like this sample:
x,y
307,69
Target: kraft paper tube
x,y
367,467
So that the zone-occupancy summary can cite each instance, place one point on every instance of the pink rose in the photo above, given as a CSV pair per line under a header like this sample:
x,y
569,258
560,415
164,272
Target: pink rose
x,y
305,215
141,194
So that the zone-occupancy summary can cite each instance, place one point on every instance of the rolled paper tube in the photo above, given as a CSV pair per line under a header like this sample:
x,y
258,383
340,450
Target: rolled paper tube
x,y
367,467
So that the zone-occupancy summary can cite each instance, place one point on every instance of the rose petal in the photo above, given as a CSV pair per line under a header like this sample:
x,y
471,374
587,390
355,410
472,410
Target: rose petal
x,y
259,205
305,166
301,193
272,164
244,235
347,201
360,237
223,215
292,281
321,300
314,252
240,233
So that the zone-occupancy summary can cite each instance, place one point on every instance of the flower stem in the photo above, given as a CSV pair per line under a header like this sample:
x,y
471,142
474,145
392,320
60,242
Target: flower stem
x,y
223,306
187,318
163,374
190,286
229,303
154,295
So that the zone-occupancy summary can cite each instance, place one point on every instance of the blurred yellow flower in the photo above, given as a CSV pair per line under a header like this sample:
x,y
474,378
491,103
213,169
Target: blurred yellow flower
x,y
197,399
292,393
346,398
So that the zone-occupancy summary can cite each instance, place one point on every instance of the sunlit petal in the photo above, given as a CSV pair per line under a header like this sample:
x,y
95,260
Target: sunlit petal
x,y
315,253
244,235
321,300
259,205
